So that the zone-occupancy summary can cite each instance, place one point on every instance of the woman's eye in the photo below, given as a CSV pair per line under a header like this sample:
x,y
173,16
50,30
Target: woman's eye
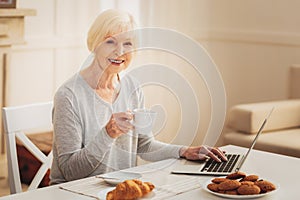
x,y
128,43
110,42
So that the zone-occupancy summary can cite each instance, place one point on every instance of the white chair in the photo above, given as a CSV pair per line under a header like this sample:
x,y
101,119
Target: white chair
x,y
16,120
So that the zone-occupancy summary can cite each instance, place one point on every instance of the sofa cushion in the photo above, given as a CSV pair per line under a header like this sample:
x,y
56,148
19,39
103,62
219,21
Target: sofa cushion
x,y
249,117
284,142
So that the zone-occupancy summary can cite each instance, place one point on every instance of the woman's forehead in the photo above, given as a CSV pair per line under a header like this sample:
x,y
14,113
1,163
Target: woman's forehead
x,y
121,35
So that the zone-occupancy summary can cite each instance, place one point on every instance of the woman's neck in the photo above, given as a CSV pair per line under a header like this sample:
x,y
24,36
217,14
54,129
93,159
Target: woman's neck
x,y
105,84
108,81
98,78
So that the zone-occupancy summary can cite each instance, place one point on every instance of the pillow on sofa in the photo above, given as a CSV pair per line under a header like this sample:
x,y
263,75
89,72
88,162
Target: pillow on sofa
x,y
249,117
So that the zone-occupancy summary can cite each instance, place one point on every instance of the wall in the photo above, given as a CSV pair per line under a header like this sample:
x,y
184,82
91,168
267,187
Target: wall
x,y
54,50
262,40
252,42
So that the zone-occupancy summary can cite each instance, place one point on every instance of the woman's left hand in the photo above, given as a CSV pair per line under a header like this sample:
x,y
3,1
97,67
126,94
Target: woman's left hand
x,y
202,153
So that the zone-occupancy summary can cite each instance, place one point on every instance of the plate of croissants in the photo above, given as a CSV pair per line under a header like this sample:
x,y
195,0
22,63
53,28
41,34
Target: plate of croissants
x,y
129,189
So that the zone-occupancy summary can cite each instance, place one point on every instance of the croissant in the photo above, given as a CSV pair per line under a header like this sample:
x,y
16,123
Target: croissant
x,y
129,190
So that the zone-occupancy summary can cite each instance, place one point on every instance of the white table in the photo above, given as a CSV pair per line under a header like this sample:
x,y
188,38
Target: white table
x,y
267,165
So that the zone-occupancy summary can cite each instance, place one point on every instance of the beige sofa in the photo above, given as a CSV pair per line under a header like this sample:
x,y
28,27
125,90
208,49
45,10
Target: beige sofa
x,y
282,131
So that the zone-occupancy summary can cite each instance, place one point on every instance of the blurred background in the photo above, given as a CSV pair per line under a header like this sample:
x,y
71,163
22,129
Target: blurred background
x,y
252,42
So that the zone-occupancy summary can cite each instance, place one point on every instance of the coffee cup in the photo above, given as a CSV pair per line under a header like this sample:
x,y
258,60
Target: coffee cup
x,y
143,120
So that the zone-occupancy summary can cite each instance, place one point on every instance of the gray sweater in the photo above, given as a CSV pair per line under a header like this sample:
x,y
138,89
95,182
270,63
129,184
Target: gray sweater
x,y
82,147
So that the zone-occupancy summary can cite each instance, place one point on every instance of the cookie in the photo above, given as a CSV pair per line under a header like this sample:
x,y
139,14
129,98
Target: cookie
x,y
229,185
252,178
236,175
219,180
265,186
232,192
247,182
213,187
248,189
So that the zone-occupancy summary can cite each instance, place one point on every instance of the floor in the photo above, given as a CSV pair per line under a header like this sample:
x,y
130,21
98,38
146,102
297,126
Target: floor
x,y
4,188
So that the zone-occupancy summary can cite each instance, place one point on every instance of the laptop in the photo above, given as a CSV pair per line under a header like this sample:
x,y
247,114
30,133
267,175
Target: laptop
x,y
211,167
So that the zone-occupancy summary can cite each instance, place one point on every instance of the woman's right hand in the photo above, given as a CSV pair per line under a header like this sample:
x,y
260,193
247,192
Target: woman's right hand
x,y
119,124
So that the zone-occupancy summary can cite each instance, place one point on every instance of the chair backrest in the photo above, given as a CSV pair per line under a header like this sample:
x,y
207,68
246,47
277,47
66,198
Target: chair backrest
x,y
15,120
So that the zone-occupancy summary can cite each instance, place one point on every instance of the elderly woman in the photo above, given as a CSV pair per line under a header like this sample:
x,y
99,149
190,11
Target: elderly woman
x,y
91,117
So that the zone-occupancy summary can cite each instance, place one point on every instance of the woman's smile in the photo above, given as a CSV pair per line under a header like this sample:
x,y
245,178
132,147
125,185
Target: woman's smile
x,y
116,61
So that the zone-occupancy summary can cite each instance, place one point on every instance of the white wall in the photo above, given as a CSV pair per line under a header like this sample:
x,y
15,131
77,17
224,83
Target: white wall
x,y
54,50
253,43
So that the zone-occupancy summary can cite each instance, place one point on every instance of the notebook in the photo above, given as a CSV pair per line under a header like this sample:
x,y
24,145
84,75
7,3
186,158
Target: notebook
x,y
211,167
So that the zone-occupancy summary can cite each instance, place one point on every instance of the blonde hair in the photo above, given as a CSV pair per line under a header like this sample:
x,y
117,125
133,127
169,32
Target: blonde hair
x,y
108,23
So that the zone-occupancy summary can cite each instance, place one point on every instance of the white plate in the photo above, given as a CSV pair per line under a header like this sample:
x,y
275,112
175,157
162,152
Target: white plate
x,y
229,196
117,177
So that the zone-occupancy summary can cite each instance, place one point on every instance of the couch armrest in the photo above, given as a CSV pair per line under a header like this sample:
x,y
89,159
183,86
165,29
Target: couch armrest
x,y
249,117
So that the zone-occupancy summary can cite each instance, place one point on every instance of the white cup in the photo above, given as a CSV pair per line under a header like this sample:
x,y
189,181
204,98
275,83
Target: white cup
x,y
143,120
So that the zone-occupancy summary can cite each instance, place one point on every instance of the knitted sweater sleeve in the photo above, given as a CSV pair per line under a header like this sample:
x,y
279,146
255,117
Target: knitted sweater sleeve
x,y
75,160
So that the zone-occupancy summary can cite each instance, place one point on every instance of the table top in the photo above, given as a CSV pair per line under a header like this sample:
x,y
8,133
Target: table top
x,y
282,170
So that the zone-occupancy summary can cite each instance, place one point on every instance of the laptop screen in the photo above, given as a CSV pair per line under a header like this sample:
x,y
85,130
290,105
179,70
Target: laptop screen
x,y
254,141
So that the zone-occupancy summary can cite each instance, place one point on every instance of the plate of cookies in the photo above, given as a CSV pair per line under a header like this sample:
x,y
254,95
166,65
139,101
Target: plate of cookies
x,y
239,185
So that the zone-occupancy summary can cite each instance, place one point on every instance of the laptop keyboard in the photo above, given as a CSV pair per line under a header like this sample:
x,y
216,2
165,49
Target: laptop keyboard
x,y
214,166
